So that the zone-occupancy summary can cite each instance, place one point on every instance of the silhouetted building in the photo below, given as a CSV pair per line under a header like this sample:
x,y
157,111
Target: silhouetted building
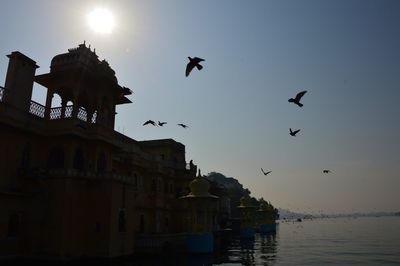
x,y
70,185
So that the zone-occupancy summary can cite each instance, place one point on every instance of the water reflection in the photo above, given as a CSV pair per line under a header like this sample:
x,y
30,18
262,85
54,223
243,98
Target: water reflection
x,y
261,250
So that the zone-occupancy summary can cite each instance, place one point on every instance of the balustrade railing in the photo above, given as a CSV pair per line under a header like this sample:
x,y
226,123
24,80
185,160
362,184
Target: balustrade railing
x,y
37,109
56,112
94,116
82,114
1,93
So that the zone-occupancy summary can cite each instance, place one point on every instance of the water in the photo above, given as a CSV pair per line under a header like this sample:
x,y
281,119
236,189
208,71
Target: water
x,y
339,241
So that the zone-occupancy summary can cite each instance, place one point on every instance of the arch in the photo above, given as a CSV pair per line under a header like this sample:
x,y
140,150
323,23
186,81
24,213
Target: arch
x,y
79,159
141,224
121,220
56,158
102,162
13,225
26,156
56,101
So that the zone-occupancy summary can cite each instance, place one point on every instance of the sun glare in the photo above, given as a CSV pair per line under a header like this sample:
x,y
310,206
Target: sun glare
x,y
101,20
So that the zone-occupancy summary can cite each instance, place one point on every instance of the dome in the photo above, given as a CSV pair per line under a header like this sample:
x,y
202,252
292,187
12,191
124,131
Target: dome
x,y
245,202
199,188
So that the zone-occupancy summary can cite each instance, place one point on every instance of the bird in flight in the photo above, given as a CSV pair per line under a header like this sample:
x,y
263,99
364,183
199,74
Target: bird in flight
x,y
161,123
149,122
194,62
265,173
182,125
293,133
326,171
296,100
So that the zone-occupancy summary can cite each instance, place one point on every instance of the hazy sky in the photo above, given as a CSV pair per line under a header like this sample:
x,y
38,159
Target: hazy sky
x,y
258,54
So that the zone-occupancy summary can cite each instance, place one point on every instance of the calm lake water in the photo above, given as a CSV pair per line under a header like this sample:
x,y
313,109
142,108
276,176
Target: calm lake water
x,y
339,241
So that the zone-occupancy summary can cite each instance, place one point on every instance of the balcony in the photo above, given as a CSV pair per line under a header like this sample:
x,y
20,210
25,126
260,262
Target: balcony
x,y
1,93
39,110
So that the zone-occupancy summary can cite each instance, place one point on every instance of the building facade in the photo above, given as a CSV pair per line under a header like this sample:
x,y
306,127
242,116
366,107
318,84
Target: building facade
x,y
70,185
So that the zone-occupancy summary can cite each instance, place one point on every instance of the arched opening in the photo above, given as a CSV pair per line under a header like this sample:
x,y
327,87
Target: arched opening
x,y
13,225
79,160
26,156
121,220
141,224
101,163
56,158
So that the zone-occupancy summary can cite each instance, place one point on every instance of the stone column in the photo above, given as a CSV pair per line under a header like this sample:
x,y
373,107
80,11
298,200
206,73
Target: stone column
x,y
75,106
63,105
49,99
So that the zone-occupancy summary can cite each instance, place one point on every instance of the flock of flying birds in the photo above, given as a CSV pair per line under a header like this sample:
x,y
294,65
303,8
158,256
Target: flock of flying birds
x,y
296,100
195,62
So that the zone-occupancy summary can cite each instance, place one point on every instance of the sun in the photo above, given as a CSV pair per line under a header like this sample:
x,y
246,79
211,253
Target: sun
x,y
101,20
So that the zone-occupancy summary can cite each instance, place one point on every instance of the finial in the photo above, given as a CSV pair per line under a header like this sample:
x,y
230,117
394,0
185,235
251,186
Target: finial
x,y
199,175
84,42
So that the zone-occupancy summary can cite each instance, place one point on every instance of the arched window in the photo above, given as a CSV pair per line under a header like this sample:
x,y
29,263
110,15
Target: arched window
x,y
56,158
26,156
121,220
141,224
13,225
153,186
101,162
79,160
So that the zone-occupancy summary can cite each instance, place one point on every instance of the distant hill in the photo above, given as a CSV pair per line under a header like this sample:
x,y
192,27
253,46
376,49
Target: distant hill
x,y
286,214
228,182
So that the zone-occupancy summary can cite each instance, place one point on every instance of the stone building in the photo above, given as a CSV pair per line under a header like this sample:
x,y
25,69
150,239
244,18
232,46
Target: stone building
x,y
70,185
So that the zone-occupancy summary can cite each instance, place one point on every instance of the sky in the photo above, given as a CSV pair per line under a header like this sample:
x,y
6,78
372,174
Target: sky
x,y
258,54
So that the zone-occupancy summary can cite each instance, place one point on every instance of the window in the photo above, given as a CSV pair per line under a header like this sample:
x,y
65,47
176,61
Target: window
x,y
97,227
141,224
56,158
101,163
153,185
78,159
26,156
13,225
121,220
165,187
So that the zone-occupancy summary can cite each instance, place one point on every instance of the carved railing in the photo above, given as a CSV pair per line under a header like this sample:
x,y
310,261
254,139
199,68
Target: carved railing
x,y
94,116
68,111
37,109
1,93
55,113
82,114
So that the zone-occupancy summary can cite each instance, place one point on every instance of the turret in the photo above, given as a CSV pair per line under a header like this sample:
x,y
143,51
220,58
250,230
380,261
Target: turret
x,y
19,81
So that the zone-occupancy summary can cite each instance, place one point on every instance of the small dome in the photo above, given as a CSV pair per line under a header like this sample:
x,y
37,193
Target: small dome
x,y
263,207
199,188
245,202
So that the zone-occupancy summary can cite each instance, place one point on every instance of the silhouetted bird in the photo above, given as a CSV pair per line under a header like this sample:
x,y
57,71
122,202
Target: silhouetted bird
x,y
149,122
296,100
265,173
194,62
326,171
293,133
182,125
161,123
